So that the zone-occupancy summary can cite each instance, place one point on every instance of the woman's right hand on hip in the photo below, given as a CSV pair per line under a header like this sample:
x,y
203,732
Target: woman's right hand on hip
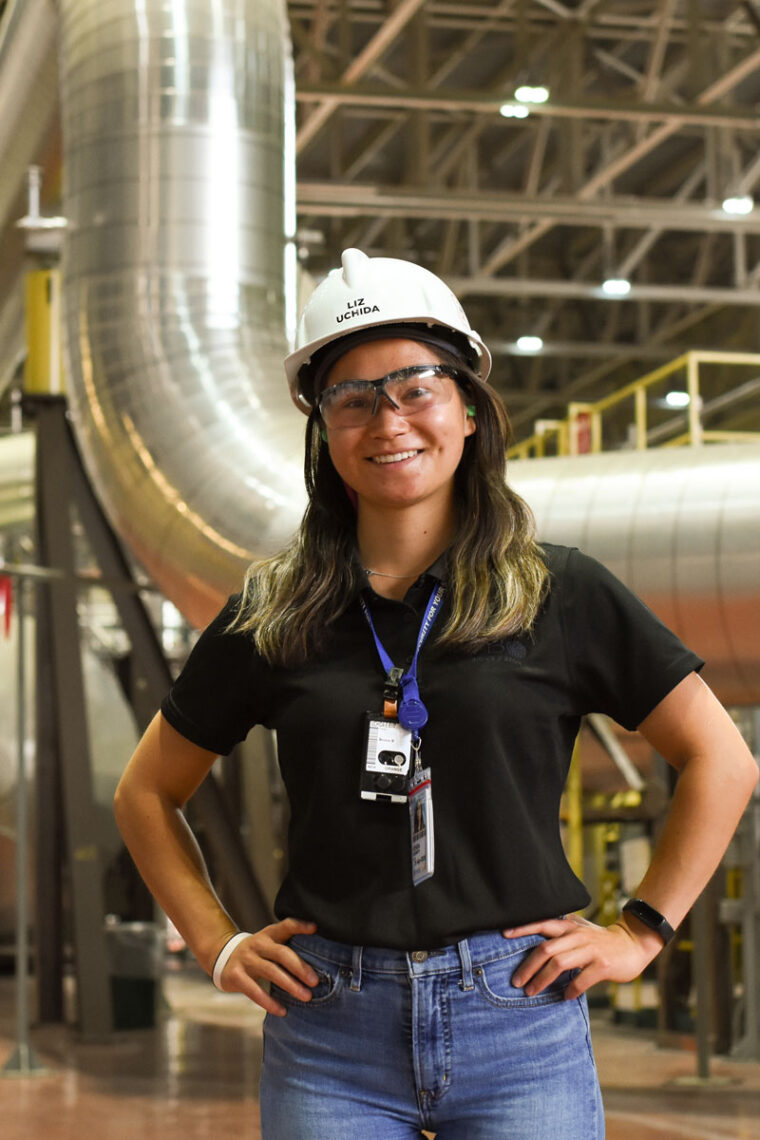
x,y
266,957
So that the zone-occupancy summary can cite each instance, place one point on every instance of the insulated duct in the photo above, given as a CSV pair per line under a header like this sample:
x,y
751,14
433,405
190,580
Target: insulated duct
x,y
681,527
179,190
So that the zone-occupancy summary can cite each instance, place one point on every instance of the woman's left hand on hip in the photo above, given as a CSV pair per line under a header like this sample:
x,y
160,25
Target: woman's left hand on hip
x,y
594,953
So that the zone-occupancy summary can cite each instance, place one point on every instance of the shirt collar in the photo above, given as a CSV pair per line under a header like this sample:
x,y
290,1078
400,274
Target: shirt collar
x,y
440,567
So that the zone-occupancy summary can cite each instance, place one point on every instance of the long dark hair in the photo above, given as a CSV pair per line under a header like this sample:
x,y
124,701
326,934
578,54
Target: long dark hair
x,y
496,576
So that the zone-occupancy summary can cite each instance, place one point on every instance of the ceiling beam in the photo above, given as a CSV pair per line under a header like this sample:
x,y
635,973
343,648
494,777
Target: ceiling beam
x,y
586,350
663,294
511,247
613,24
470,44
331,199
489,102
369,55
641,248
657,49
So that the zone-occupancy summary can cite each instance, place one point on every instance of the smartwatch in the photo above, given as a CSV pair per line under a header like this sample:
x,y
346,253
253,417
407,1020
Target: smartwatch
x,y
651,918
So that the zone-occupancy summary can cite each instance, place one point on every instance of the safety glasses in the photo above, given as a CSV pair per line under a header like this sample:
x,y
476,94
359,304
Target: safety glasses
x,y
409,391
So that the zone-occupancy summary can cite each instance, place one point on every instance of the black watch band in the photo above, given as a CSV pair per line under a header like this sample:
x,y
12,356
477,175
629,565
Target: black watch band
x,y
651,918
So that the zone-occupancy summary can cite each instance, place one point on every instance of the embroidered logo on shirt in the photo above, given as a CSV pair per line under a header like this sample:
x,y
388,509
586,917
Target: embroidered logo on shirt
x,y
511,648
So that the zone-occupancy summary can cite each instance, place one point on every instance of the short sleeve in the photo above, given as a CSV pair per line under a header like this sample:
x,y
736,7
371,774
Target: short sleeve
x,y
621,657
212,701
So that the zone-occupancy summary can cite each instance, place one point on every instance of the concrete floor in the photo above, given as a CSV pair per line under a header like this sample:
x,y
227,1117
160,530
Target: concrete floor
x,y
194,1077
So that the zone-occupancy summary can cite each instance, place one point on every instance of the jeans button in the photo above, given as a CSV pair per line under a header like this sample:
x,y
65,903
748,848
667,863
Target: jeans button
x,y
420,956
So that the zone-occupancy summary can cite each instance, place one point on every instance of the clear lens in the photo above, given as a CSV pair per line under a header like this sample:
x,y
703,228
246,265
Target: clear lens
x,y
409,390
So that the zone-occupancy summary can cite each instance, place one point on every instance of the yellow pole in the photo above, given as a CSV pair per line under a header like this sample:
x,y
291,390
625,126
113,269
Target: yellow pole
x,y
574,811
44,361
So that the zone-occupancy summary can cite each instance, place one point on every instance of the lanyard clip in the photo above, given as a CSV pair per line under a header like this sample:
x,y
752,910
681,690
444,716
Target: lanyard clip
x,y
416,749
392,691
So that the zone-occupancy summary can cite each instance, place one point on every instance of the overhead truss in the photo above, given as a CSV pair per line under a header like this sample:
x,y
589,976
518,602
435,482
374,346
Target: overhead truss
x,y
652,121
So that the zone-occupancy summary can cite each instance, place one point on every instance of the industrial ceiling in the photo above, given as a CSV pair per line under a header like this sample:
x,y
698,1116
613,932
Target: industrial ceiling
x,y
650,122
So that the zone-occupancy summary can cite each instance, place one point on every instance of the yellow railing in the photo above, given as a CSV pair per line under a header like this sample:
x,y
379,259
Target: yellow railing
x,y
582,430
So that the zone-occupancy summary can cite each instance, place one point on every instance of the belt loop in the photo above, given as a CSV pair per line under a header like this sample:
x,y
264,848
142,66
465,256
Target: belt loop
x,y
356,969
466,962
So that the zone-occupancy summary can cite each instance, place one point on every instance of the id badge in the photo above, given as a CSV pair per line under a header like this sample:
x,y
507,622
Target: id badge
x,y
421,826
387,760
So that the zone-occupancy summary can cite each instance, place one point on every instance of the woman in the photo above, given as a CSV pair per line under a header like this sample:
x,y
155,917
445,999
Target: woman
x,y
425,665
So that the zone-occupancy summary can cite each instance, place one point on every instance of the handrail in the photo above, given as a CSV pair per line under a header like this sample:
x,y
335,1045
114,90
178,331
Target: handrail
x,y
581,431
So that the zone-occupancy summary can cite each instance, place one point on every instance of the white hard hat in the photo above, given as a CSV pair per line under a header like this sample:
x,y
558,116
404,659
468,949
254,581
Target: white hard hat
x,y
367,292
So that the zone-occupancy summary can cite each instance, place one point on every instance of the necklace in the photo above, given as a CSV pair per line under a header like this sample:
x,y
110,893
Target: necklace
x,y
380,574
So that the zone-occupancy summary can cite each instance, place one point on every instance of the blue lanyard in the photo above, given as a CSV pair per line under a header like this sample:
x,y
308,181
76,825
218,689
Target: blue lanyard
x,y
412,713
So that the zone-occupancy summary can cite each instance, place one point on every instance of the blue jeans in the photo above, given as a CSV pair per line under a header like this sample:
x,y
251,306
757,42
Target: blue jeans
x,y
393,1042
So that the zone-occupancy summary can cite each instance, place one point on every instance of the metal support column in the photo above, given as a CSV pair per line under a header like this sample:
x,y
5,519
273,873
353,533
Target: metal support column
x,y
152,679
707,963
702,937
64,762
53,492
49,840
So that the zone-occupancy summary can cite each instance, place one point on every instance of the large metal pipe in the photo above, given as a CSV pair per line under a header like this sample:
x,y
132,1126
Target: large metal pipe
x,y
179,189
681,526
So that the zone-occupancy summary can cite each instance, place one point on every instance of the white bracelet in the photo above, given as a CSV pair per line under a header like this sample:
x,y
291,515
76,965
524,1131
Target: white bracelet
x,y
224,956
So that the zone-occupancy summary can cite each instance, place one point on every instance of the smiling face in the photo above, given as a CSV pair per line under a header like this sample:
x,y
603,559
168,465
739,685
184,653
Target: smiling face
x,y
396,461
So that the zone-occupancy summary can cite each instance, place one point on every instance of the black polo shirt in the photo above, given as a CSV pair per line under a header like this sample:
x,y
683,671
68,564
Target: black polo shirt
x,y
498,742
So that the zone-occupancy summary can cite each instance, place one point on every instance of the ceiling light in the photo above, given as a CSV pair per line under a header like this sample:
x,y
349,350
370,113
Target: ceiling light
x,y
514,111
530,343
742,204
677,400
527,94
616,287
